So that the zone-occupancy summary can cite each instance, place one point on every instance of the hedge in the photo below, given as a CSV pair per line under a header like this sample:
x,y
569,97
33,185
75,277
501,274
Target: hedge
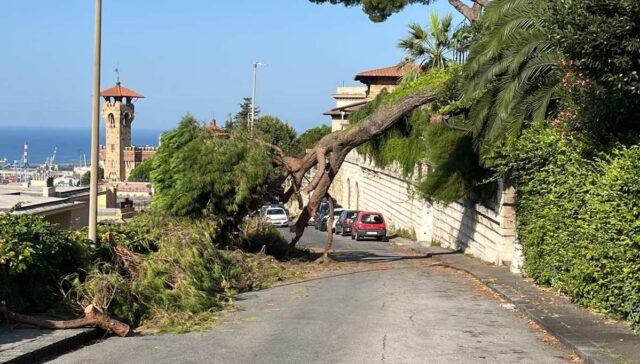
x,y
579,218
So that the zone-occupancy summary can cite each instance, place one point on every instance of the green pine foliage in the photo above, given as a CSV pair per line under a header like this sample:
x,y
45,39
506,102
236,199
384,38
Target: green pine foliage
x,y
378,10
177,280
197,175
311,137
85,180
277,132
579,218
241,119
142,172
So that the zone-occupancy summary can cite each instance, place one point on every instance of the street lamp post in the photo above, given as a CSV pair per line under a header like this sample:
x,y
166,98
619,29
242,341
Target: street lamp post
x,y
253,96
93,190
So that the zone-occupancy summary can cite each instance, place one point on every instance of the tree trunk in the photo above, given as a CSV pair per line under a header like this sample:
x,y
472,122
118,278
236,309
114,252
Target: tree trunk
x,y
331,151
329,229
93,317
471,13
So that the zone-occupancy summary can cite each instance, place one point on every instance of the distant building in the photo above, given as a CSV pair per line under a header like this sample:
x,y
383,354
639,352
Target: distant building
x,y
66,206
352,98
348,99
119,156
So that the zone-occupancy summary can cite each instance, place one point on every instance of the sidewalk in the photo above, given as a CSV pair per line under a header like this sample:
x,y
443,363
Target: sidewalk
x,y
594,338
26,344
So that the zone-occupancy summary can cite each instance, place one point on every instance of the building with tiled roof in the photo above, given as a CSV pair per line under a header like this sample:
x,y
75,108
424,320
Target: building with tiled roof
x,y
120,91
118,156
384,78
351,98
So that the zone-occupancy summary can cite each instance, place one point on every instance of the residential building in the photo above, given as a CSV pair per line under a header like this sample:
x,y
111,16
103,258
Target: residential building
x,y
66,206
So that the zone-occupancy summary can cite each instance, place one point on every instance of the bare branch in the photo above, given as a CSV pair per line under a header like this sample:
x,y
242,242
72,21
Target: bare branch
x,y
472,14
341,143
322,166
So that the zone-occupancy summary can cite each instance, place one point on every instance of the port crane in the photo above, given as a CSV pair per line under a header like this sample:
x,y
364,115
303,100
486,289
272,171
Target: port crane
x,y
48,164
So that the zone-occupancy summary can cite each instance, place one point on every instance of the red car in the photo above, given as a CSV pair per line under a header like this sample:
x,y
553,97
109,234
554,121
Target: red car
x,y
369,225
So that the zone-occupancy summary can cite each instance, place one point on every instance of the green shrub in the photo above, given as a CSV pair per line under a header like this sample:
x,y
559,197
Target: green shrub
x,y
403,233
579,218
34,256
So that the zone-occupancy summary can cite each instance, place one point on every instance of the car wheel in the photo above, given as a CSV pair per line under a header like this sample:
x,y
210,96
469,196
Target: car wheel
x,y
383,238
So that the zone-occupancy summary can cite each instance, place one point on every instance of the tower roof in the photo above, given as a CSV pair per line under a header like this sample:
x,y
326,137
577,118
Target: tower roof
x,y
119,91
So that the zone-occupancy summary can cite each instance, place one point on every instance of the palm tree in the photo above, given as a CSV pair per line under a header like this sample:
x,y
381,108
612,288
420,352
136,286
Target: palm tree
x,y
461,42
430,48
511,72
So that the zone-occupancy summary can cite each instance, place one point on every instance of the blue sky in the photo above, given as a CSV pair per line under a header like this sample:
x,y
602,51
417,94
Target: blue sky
x,y
190,56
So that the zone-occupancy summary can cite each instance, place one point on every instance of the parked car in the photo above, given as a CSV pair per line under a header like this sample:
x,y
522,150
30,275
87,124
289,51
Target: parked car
x,y
276,216
323,210
325,219
345,221
369,225
314,218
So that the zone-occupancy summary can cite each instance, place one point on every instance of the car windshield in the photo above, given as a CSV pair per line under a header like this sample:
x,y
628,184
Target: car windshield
x,y
351,215
371,219
275,212
324,208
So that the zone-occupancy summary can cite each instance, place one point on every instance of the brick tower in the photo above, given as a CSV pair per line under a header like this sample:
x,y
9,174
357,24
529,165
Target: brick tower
x,y
118,113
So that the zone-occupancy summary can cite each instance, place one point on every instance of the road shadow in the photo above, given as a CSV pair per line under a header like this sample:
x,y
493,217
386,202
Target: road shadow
x,y
459,251
358,256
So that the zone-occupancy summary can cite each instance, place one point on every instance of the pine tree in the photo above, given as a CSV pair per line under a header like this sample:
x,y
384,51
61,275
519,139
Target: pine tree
x,y
241,119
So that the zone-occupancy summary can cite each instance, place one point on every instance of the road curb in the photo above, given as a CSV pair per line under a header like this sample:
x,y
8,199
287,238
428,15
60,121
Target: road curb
x,y
50,345
581,346
584,348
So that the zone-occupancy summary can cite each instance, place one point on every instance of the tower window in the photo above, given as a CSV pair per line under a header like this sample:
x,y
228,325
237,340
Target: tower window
x,y
113,148
112,121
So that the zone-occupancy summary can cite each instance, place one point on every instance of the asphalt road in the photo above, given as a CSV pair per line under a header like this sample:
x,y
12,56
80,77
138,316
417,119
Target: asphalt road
x,y
388,308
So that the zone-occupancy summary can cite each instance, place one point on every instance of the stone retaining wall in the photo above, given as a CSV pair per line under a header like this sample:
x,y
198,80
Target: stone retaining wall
x,y
485,232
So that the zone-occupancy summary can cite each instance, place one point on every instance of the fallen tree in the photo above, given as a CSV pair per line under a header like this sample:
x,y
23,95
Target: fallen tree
x,y
330,152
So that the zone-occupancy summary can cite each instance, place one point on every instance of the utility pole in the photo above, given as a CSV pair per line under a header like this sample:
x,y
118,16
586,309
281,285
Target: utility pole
x,y
253,96
95,127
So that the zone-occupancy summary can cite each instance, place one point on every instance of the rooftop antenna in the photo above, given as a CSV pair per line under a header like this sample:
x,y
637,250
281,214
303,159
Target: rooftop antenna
x,y
117,70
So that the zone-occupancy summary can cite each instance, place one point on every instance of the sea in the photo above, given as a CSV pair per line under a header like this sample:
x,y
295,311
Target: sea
x,y
72,144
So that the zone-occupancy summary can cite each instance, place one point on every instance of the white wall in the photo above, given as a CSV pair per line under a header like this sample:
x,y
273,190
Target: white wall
x,y
485,232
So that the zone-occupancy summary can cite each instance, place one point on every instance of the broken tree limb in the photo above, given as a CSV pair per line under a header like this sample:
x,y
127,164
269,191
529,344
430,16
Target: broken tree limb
x,y
338,144
321,153
329,227
93,317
